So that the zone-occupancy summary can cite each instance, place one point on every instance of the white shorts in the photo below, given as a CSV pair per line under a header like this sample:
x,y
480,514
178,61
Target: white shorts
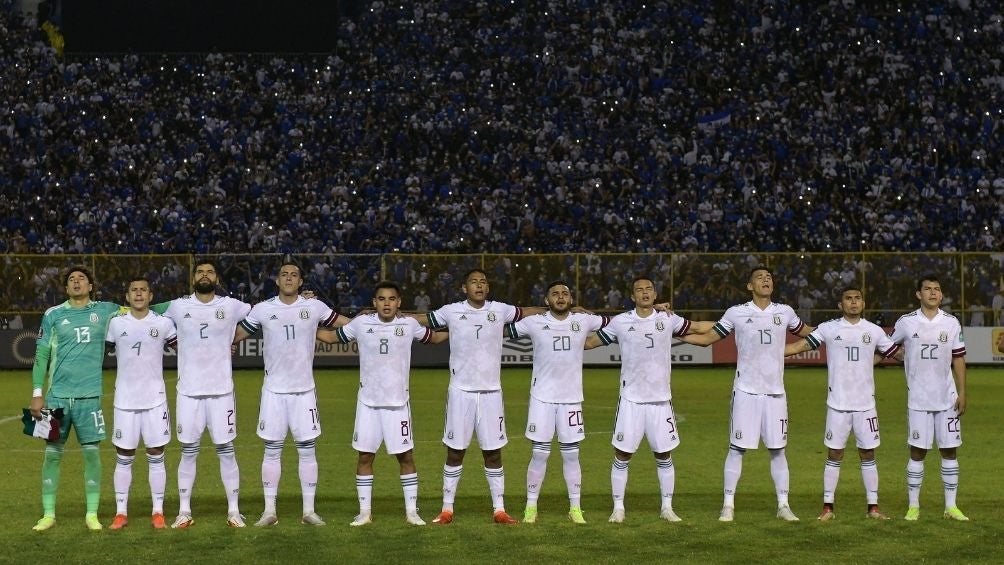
x,y
470,412
545,419
196,413
653,420
840,424
945,427
759,416
152,424
390,425
295,411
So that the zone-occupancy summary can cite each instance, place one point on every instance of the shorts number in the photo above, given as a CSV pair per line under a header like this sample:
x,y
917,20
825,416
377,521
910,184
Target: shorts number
x,y
575,417
784,426
313,415
99,419
953,425
928,351
405,428
384,346
501,423
230,417
872,424
562,343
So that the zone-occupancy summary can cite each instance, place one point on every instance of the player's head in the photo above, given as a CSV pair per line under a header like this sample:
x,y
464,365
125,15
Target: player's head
x,y
387,300
852,301
475,285
79,282
761,282
558,297
929,291
205,276
643,292
290,279
138,293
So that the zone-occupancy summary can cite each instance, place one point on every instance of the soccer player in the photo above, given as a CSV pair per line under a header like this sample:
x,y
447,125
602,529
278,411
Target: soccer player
x,y
759,406
645,407
288,323
853,346
206,325
383,410
558,337
933,350
474,398
69,351
139,337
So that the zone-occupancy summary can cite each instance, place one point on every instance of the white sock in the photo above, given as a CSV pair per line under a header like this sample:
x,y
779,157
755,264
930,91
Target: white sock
x,y
733,470
779,472
950,477
307,452
914,480
364,492
230,475
158,481
666,471
451,478
496,486
572,470
831,476
869,476
122,480
618,481
535,471
409,483
186,476
271,472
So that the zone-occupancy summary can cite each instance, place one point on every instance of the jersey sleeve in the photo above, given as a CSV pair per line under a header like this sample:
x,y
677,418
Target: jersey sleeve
x,y
161,307
347,332
326,315
679,324
725,325
251,324
171,331
884,346
959,345
513,313
517,329
608,334
439,319
420,332
795,323
818,336
43,350
112,331
899,332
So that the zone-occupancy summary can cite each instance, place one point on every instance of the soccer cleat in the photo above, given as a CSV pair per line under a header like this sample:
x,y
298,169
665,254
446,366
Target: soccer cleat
x,y
157,521
120,521
785,513
617,516
183,521
668,515
826,515
235,520
912,513
875,514
728,514
362,519
575,515
501,517
313,519
445,517
530,515
44,523
92,522
267,519
413,518
953,513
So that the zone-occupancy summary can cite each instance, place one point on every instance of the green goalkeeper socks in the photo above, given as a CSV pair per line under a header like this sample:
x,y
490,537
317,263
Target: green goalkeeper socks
x,y
92,476
50,477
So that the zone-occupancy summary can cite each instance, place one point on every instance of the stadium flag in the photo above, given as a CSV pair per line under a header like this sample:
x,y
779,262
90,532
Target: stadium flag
x,y
47,428
713,121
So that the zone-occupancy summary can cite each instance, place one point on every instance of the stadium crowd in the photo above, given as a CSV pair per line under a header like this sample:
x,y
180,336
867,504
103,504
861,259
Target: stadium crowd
x,y
561,126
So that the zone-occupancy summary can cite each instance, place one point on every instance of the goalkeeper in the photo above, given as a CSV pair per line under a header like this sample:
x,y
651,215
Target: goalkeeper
x,y
70,350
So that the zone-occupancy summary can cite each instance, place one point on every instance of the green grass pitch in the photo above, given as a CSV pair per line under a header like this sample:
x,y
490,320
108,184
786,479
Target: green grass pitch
x,y
701,400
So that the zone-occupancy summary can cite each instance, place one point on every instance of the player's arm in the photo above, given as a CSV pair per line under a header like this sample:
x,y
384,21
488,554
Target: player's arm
x,y
593,341
439,337
43,351
160,307
704,339
796,347
700,328
959,370
666,307
805,330
1000,343
326,335
420,317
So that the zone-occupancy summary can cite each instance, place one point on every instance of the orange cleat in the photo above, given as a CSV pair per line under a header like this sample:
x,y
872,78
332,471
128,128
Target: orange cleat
x,y
501,517
120,521
445,517
157,521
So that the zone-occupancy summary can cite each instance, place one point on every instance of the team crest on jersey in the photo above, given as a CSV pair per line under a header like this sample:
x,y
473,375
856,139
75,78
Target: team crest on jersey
x,y
492,317
154,332
93,318
943,337
659,326
777,320
220,314
867,338
576,327
399,331
304,314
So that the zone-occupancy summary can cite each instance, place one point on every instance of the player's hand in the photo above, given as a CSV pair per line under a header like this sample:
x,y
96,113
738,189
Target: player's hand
x,y
663,307
37,403
960,405
365,312
233,349
308,294
581,310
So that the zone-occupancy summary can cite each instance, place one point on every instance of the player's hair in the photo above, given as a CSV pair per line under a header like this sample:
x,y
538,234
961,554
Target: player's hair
x,y
928,277
850,288
387,284
78,269
759,268
204,261
135,278
291,264
635,280
468,274
558,282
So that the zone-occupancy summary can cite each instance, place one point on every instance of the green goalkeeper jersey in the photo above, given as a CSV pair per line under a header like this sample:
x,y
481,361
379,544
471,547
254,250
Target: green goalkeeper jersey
x,y
71,349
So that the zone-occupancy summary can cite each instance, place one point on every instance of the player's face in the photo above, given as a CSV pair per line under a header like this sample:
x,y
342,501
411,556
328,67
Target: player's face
x,y
852,303
205,278
761,284
78,286
559,299
139,295
930,294
476,287
387,303
643,294
289,280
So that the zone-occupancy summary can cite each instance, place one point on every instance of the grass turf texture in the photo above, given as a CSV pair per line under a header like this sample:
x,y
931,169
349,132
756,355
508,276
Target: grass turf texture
x,y
701,400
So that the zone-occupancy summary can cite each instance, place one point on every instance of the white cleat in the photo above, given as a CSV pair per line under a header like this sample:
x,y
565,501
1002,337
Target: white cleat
x,y
414,519
617,516
313,519
785,513
728,514
362,519
267,519
668,515
235,520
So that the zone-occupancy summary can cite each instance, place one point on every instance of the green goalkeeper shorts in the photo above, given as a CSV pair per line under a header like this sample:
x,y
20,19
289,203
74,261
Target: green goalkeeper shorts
x,y
83,414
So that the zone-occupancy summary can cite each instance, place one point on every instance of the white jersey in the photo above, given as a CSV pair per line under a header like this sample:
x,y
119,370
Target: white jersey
x,y
139,357
475,342
384,356
557,354
646,352
205,333
850,364
929,347
760,344
289,332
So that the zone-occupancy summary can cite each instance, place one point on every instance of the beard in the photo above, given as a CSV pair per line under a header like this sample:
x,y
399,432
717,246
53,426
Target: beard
x,y
204,287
